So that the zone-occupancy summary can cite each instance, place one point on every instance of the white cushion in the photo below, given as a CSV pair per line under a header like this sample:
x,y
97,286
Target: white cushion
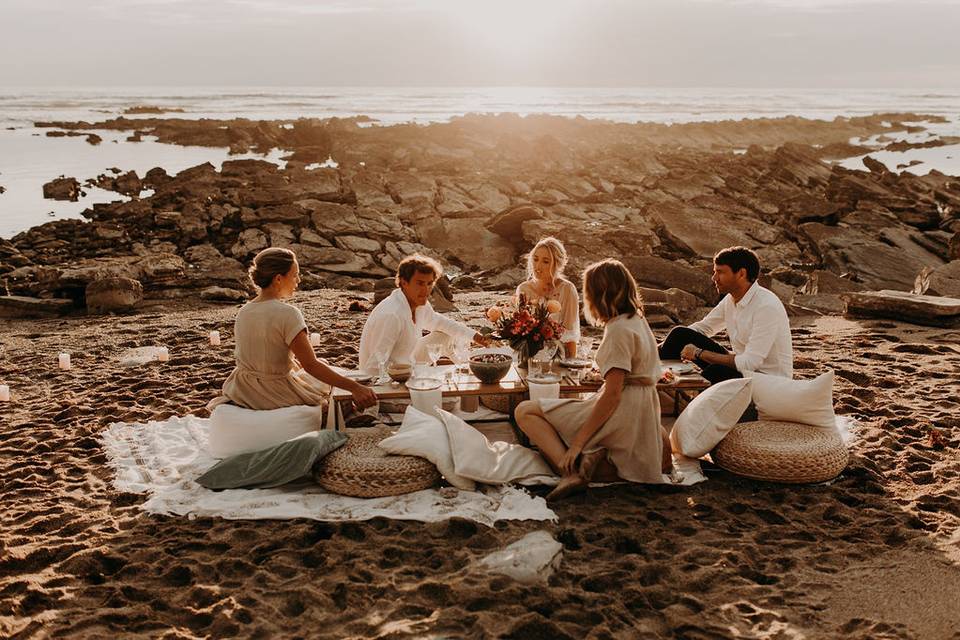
x,y
424,435
235,430
710,416
804,401
490,462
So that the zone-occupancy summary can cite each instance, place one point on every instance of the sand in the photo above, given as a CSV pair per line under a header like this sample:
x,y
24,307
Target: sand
x,y
874,554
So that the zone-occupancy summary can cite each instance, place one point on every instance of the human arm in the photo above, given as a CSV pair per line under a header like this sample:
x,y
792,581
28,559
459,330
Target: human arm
x,y
433,321
607,402
363,397
692,352
570,318
713,322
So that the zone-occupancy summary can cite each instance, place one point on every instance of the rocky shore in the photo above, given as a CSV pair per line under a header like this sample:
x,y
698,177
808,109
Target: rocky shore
x,y
873,554
477,192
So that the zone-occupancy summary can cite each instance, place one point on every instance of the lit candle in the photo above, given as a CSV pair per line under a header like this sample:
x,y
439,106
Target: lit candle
x,y
215,338
163,354
314,339
4,393
64,361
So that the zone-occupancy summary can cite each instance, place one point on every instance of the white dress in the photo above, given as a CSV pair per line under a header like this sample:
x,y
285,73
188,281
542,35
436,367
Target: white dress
x,y
631,435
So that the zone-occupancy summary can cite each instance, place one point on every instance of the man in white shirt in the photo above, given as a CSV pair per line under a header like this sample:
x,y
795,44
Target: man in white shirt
x,y
754,318
394,330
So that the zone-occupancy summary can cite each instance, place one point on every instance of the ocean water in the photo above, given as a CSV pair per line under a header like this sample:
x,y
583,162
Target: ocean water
x,y
28,158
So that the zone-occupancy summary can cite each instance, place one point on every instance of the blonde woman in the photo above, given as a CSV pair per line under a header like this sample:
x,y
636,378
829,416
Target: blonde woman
x,y
270,334
615,433
546,282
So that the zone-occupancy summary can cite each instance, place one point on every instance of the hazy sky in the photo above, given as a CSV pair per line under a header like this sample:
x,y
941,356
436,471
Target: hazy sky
x,y
673,43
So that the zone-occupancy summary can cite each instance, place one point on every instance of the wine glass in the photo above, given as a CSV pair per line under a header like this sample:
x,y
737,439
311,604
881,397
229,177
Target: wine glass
x,y
585,349
461,353
434,351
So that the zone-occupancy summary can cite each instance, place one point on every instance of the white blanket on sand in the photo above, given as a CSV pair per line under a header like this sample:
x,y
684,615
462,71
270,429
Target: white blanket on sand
x,y
164,459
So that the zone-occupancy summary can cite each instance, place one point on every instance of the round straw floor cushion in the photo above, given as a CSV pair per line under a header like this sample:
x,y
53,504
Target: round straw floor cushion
x,y
781,452
360,468
499,402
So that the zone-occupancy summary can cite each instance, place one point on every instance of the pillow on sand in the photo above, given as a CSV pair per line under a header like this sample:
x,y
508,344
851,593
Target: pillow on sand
x,y
491,462
275,466
235,430
710,416
803,401
423,435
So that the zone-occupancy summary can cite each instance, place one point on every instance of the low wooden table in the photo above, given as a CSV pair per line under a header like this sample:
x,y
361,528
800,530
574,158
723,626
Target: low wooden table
x,y
459,382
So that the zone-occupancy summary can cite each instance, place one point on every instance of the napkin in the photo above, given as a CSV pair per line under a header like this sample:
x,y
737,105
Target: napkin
x,y
540,391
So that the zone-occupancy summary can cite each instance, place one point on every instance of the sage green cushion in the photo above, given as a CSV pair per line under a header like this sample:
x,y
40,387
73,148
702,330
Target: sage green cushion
x,y
275,466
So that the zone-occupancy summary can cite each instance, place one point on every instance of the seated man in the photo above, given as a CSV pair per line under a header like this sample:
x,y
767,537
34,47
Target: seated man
x,y
393,331
754,318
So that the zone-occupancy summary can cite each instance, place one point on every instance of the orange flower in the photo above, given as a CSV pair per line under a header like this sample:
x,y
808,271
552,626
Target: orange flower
x,y
553,306
494,314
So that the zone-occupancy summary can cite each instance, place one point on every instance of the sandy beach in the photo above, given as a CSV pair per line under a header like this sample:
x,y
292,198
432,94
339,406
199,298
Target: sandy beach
x,y
873,554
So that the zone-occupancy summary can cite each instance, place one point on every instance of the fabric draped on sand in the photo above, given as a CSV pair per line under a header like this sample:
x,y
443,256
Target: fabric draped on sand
x,y
267,376
631,435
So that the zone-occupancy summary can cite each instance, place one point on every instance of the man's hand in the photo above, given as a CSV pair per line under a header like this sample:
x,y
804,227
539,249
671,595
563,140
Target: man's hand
x,y
689,353
482,340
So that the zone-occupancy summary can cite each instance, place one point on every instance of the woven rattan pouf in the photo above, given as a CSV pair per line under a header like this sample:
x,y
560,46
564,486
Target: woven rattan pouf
x,y
781,452
360,468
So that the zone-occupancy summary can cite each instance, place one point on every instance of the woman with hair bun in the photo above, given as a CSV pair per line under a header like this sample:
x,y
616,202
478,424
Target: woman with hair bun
x,y
615,434
546,283
269,334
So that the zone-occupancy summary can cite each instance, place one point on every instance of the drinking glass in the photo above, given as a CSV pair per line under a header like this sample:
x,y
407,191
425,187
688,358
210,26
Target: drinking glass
x,y
585,349
434,351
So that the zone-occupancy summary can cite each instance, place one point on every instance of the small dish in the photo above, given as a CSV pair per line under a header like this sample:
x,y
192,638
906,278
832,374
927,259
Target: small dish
x,y
682,368
548,378
360,376
576,363
424,384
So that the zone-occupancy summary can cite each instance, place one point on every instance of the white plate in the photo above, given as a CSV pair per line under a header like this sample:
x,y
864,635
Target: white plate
x,y
576,363
424,384
549,378
682,368
360,376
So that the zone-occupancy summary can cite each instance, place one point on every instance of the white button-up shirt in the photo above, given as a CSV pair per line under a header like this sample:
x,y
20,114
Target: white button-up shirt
x,y
390,333
758,328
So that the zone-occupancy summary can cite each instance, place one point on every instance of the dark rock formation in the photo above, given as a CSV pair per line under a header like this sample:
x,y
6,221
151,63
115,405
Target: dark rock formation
x,y
479,191
62,189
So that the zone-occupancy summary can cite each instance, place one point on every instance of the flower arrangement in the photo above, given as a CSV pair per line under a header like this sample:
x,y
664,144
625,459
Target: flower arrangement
x,y
525,325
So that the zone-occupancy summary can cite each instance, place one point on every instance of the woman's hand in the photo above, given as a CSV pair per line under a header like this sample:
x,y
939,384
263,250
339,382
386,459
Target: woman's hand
x,y
363,397
568,465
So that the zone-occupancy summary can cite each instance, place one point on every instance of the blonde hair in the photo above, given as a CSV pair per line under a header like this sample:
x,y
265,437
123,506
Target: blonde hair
x,y
557,251
608,291
269,264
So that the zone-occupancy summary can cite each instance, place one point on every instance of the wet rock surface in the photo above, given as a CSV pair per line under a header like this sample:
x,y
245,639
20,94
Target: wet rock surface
x,y
479,191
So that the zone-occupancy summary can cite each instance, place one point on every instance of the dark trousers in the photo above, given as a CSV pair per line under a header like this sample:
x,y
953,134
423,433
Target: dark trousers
x,y
679,337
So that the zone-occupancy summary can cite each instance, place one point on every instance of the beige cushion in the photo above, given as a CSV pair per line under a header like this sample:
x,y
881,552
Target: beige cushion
x,y
804,401
424,435
709,417
491,462
782,452
235,430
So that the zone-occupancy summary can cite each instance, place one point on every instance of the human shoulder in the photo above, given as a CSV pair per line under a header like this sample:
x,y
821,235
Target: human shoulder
x,y
568,287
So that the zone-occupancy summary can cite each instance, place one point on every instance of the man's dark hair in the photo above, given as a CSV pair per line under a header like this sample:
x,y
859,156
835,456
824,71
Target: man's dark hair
x,y
739,258
417,263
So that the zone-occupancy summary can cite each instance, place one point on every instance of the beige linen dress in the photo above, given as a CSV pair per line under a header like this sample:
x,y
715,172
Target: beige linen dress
x,y
632,434
267,376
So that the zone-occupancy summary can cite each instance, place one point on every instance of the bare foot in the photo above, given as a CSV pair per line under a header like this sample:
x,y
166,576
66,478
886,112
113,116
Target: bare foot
x,y
568,486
